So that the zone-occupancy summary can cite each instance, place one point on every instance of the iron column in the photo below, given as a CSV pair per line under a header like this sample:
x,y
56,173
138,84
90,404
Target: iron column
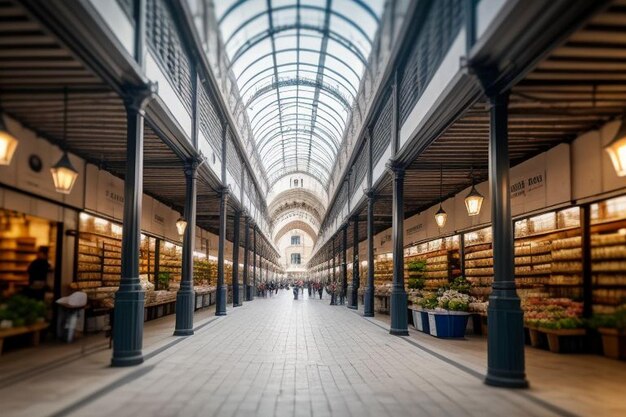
x,y
129,299
222,292
344,264
398,307
236,300
506,321
254,266
185,297
354,292
368,299
246,261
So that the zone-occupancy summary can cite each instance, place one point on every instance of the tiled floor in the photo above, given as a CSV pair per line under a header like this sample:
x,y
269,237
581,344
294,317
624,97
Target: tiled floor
x,y
272,357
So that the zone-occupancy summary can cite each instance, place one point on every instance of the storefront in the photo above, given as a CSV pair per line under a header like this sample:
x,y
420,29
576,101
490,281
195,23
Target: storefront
x,y
570,247
80,228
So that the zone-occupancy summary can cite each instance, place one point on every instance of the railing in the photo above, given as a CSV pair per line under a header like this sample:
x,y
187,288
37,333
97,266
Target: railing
x,y
233,161
381,133
441,26
210,124
359,169
165,42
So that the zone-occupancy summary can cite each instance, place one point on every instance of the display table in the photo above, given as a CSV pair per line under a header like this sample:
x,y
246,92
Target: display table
x,y
35,329
539,335
381,303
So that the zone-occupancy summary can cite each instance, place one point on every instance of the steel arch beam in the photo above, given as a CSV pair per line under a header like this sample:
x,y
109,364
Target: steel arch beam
x,y
261,36
270,10
244,89
314,51
298,81
274,105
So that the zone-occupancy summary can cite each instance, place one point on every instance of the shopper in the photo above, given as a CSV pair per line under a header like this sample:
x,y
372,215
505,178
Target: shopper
x,y
38,274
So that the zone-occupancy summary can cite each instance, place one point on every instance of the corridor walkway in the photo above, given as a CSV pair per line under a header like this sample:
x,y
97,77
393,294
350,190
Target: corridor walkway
x,y
280,357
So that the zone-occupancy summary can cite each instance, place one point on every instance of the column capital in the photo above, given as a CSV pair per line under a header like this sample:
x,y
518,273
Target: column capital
x,y
370,193
191,168
225,191
487,78
396,167
137,97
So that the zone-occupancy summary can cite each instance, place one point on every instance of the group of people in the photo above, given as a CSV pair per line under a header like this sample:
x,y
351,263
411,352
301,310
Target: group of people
x,y
314,289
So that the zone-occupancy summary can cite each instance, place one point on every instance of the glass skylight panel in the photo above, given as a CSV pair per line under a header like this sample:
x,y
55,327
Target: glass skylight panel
x,y
293,131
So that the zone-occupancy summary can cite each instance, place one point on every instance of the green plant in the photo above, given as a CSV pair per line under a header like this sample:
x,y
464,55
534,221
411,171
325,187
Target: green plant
x,y
164,280
461,285
416,283
22,310
453,300
616,320
416,266
429,302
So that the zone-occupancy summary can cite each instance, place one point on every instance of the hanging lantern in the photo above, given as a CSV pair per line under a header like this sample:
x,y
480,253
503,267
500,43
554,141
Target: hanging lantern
x,y
617,151
64,175
8,144
441,217
474,202
181,225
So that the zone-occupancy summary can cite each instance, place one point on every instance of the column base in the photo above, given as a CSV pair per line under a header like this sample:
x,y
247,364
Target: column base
x,y
185,299
399,313
128,326
236,302
495,381
183,332
353,298
505,341
127,361
368,305
220,301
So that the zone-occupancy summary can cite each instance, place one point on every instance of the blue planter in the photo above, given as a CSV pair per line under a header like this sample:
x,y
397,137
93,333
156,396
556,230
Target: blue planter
x,y
448,324
420,319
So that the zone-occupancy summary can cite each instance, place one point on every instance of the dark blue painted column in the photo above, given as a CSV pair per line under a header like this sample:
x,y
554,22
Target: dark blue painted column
x,y
129,299
185,297
236,300
344,264
368,299
254,253
246,261
506,320
222,292
398,305
354,291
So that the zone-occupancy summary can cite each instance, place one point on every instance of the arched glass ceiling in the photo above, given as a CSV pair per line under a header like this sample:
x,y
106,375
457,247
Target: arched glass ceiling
x,y
298,64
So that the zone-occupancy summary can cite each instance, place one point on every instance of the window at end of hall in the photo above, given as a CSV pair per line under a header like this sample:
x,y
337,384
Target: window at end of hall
x,y
295,259
295,240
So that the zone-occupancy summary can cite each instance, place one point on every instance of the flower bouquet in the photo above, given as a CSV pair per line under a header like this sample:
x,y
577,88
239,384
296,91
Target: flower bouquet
x,y
552,313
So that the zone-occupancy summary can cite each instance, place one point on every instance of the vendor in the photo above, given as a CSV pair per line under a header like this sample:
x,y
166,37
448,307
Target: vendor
x,y
38,274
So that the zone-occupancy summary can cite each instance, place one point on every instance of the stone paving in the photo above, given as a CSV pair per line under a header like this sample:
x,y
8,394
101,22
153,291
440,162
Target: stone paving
x,y
281,357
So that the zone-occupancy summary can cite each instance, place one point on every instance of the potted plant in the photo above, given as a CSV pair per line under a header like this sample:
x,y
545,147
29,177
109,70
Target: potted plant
x,y
612,328
449,319
420,316
20,311
164,280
